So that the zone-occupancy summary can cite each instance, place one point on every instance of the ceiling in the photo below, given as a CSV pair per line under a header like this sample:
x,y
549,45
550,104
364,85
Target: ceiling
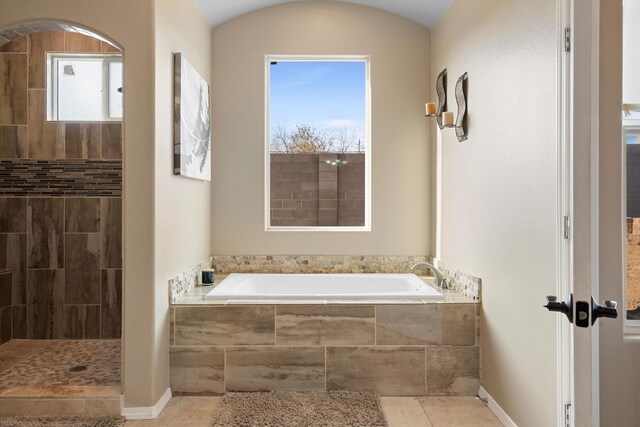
x,y
425,12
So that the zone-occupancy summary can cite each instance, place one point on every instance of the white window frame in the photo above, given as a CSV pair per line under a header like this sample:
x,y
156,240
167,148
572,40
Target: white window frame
x,y
367,153
52,80
629,126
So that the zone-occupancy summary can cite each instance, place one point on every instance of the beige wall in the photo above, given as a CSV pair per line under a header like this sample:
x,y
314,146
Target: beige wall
x,y
182,205
499,190
619,376
399,50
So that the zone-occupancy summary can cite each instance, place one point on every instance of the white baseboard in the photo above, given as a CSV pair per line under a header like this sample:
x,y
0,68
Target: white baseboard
x,y
146,412
496,409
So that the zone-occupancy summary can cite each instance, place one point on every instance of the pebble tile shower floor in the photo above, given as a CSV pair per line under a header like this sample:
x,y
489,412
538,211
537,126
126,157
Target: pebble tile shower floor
x,y
56,364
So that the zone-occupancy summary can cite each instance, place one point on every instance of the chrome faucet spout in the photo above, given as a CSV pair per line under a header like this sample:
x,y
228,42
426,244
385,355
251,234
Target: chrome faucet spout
x,y
440,281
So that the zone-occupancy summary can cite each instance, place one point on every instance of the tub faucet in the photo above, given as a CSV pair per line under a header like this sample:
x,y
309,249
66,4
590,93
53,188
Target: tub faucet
x,y
440,281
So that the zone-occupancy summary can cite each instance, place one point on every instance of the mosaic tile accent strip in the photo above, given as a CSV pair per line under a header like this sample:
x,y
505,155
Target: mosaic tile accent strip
x,y
62,363
315,264
187,280
463,282
61,177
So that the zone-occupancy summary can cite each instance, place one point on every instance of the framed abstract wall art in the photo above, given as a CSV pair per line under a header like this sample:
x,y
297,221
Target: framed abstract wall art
x,y
192,122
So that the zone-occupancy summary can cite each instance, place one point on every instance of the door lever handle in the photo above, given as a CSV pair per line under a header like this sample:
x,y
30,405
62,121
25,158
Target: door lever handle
x,y
609,309
565,307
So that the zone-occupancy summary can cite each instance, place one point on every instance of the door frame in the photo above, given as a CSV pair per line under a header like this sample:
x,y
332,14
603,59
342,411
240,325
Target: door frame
x,y
564,333
578,348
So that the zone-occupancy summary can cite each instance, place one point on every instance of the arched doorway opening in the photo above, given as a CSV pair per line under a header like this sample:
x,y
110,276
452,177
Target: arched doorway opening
x,y
61,238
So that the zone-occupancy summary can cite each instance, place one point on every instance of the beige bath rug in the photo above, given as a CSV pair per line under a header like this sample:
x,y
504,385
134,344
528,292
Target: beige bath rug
x,y
309,409
60,422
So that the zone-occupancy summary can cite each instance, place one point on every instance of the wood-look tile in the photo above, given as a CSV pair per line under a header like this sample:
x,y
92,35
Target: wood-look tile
x,y
459,411
76,42
13,215
13,256
111,304
111,230
196,370
275,369
82,140
81,321
458,324
404,412
82,269
388,371
45,221
408,324
181,411
172,323
13,142
45,391
82,215
325,325
111,140
102,407
39,44
249,325
45,304
46,139
19,322
453,371
108,48
18,45
5,289
5,324
28,406
13,89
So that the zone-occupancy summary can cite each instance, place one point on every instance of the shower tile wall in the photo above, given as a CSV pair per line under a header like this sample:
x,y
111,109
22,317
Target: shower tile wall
x,y
60,202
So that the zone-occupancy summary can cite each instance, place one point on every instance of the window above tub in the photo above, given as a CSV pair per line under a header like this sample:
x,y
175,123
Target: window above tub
x,y
318,157
84,87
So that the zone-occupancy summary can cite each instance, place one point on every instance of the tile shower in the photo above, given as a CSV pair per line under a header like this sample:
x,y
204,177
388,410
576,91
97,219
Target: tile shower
x,y
60,202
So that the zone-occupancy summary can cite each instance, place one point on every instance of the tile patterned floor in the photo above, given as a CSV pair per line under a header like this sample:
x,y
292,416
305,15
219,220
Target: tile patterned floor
x,y
399,411
29,363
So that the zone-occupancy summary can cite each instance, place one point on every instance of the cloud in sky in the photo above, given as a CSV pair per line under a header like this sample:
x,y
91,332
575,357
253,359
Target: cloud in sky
x,y
339,123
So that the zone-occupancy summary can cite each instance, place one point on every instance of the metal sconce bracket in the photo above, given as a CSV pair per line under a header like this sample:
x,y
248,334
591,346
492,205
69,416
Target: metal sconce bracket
x,y
461,100
441,90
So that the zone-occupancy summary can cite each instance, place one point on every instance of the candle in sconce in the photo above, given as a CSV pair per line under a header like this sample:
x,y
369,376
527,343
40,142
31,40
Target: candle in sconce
x,y
447,118
430,108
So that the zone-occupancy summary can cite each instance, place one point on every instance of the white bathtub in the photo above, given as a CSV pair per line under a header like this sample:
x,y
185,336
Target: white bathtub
x,y
312,287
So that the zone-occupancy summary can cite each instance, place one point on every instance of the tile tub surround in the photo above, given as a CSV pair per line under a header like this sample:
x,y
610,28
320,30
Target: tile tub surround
x,y
392,349
186,281
315,264
460,281
195,296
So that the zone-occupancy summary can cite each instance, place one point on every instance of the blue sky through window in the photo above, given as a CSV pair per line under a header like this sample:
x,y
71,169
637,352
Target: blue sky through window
x,y
327,96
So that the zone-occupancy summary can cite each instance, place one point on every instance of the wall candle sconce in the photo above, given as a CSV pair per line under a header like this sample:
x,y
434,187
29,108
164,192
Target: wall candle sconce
x,y
444,118
461,100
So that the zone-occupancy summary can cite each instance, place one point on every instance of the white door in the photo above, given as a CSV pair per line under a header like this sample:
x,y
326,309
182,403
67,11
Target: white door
x,y
604,352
